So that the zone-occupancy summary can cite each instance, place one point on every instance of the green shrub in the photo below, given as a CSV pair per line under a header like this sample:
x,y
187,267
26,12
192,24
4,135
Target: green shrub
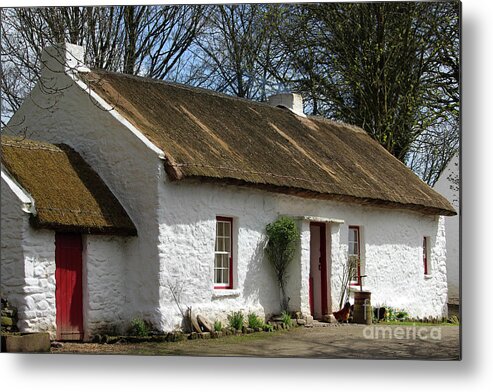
x,y
283,236
392,314
218,326
138,327
236,320
254,321
286,318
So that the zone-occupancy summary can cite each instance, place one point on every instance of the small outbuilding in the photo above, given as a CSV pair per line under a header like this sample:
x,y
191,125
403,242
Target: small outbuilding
x,y
63,238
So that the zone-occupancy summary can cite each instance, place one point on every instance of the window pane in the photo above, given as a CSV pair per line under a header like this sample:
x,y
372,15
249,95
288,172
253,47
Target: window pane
x,y
351,248
223,243
226,229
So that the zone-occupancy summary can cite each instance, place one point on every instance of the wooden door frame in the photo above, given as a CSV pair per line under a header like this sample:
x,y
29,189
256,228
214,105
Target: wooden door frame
x,y
323,264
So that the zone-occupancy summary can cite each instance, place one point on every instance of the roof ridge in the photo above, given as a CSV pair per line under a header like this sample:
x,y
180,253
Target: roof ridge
x,y
206,91
201,90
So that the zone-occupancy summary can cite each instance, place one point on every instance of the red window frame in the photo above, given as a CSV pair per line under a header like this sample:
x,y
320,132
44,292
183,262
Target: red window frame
x,y
425,255
358,281
230,283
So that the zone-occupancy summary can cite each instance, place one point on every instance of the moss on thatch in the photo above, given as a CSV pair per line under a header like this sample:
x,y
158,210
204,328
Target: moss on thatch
x,y
213,137
67,192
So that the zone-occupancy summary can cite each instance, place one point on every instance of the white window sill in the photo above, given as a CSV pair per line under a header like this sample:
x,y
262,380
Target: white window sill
x,y
428,276
225,293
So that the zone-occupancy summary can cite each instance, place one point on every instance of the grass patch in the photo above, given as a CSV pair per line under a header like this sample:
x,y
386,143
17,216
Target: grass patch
x,y
417,323
195,347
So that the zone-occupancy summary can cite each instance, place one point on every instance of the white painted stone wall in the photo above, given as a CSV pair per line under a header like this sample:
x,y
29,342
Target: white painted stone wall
x,y
391,241
13,223
129,169
39,258
450,189
28,267
174,249
104,284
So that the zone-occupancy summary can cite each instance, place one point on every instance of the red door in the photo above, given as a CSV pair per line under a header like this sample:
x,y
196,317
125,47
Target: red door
x,y
318,283
68,274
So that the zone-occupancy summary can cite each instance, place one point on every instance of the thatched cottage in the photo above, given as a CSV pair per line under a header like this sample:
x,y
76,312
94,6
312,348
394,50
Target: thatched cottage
x,y
159,194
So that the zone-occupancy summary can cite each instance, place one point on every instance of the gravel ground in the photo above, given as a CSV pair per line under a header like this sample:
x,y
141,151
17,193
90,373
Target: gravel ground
x,y
378,341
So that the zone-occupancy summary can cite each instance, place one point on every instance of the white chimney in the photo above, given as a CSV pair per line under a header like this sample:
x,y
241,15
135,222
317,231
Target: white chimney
x,y
291,101
62,58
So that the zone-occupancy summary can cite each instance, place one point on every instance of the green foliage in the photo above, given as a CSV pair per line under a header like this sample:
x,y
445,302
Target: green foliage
x,y
236,320
254,321
286,318
138,327
403,86
283,237
218,326
392,314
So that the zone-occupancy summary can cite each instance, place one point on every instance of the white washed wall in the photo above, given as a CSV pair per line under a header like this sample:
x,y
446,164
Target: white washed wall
x,y
391,257
450,190
104,276
39,258
13,224
28,267
124,163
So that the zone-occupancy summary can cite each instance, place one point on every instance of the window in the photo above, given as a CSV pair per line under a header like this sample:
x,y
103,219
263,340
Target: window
x,y
354,255
426,256
223,254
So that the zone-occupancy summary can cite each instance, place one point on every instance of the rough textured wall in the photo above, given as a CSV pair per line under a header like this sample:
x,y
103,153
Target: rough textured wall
x,y
125,164
27,267
448,186
104,276
39,258
391,252
13,224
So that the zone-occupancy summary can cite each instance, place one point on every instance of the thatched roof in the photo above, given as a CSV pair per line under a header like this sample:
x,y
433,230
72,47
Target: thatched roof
x,y
214,137
67,192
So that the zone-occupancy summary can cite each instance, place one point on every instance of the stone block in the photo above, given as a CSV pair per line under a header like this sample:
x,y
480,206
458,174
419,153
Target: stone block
x,y
26,343
205,335
330,318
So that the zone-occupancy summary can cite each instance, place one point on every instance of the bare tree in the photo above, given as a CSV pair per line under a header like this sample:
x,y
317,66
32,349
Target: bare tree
x,y
142,40
233,52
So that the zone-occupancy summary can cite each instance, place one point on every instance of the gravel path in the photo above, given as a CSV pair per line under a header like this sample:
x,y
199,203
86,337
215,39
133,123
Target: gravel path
x,y
340,341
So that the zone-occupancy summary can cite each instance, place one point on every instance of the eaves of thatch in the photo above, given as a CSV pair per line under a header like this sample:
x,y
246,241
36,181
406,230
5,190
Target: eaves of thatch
x,y
214,137
69,195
